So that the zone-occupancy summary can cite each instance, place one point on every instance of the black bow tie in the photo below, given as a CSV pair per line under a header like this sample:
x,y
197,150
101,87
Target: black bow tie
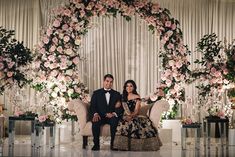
x,y
106,91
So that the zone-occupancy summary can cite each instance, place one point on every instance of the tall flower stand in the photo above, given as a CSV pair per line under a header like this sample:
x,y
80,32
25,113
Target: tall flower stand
x,y
40,130
224,124
196,128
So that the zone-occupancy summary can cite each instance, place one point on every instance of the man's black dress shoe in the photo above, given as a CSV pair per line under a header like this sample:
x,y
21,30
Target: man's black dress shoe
x,y
95,148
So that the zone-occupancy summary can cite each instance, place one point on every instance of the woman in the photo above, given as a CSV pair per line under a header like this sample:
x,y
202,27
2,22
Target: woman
x,y
135,132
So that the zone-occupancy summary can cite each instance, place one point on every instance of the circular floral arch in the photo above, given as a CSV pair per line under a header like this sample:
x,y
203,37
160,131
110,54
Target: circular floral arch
x,y
56,63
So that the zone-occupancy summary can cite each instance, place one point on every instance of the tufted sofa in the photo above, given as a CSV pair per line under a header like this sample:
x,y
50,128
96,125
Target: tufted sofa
x,y
154,111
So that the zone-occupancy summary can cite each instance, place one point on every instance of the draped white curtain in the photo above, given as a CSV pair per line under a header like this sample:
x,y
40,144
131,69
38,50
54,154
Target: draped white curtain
x,y
125,49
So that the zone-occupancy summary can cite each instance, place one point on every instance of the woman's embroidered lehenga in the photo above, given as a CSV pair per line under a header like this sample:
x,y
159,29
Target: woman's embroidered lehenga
x,y
139,134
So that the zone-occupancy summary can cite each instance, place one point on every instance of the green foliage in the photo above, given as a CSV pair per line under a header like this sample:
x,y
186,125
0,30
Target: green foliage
x,y
231,92
13,56
67,116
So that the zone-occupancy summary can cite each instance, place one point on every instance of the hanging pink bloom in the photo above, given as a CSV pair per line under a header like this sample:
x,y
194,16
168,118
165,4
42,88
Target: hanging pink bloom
x,y
67,12
52,49
1,66
65,27
46,40
66,38
55,40
168,23
59,49
76,60
56,23
9,74
49,32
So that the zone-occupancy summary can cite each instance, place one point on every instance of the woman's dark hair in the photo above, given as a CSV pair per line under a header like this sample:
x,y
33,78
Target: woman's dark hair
x,y
124,93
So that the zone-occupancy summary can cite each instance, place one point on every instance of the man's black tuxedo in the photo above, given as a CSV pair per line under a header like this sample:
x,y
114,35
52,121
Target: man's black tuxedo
x,y
99,105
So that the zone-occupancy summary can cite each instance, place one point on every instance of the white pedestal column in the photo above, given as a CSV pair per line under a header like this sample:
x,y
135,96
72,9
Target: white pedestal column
x,y
175,125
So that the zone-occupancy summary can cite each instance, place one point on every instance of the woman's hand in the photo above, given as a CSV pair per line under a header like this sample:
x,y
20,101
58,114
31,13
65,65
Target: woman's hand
x,y
128,118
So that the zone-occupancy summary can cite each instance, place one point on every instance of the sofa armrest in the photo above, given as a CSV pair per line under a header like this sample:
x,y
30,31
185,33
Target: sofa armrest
x,y
156,111
144,110
81,110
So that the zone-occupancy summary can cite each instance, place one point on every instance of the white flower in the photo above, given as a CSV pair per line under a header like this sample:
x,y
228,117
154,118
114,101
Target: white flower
x,y
69,51
54,94
56,89
70,91
69,72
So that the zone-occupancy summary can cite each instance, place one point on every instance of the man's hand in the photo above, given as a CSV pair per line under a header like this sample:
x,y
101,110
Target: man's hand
x,y
109,115
96,117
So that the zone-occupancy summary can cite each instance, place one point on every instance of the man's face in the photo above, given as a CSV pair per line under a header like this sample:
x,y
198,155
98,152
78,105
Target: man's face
x,y
108,83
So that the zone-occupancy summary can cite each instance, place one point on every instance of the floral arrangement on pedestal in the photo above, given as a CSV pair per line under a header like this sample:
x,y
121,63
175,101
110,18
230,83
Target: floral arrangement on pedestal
x,y
56,62
214,74
213,66
14,58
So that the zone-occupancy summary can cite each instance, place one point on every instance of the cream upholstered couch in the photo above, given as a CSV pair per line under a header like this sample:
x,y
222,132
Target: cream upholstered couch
x,y
154,111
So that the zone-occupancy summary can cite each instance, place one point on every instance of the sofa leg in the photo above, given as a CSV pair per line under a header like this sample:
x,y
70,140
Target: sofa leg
x,y
85,139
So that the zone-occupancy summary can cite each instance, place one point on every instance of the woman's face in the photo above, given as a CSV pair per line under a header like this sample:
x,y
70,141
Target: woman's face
x,y
129,88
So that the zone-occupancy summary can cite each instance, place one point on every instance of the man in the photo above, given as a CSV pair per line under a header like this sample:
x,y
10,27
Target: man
x,y
103,110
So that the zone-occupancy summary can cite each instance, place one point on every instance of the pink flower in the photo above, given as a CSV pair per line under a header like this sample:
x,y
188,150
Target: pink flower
x,y
43,78
42,50
213,70
139,4
54,73
1,66
221,114
168,82
9,74
56,23
66,38
47,64
46,40
225,71
76,60
172,91
103,11
51,58
55,40
67,12
168,23
42,118
177,87
178,64
18,113
52,49
188,121
217,74
170,46
99,6
49,32
59,49
65,27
